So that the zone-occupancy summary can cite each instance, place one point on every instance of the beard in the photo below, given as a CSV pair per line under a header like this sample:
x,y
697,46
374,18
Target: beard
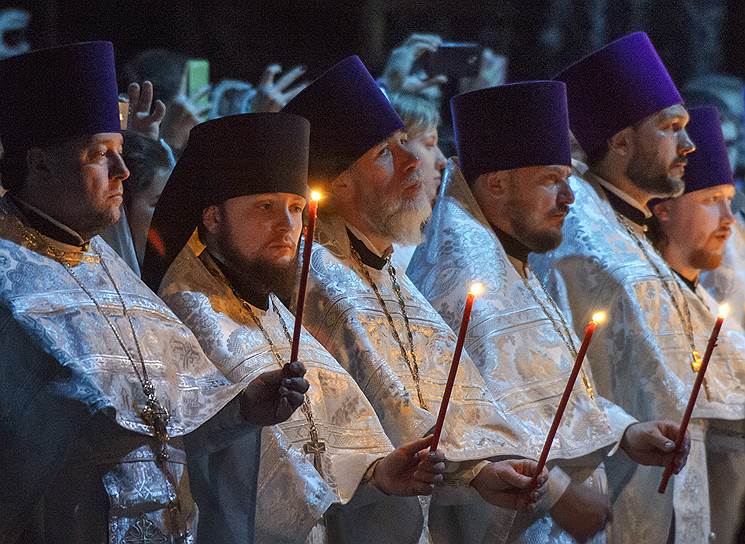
x,y
98,221
256,279
399,218
536,240
641,172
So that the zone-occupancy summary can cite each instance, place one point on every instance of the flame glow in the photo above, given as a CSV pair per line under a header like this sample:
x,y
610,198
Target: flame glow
x,y
476,289
315,195
723,310
599,317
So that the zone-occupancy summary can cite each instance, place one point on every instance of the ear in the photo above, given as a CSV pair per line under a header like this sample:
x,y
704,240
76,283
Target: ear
x,y
496,182
662,210
622,142
211,218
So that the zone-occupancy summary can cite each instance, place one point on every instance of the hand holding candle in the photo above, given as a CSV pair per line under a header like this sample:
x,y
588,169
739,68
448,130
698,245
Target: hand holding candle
x,y
597,318
315,196
475,290
723,311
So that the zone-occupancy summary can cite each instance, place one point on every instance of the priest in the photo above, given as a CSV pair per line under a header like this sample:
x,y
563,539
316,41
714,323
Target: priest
x,y
691,232
373,320
328,474
506,200
104,394
628,117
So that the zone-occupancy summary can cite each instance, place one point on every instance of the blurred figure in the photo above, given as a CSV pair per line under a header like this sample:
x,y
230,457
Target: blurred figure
x,y
150,160
421,119
726,93
149,164
13,26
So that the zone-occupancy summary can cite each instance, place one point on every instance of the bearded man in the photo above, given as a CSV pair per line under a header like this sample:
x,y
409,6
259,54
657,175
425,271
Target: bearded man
x,y
374,321
242,183
628,117
691,232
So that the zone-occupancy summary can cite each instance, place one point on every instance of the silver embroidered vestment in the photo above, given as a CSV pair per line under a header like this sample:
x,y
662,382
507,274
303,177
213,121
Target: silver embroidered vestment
x,y
514,344
70,426
292,495
343,312
640,358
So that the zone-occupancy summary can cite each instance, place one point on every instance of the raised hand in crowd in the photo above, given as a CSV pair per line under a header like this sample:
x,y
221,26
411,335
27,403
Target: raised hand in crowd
x,y
144,118
400,75
184,113
492,72
271,95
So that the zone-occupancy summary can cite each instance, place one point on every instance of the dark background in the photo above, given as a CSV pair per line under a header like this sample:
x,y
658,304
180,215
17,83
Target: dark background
x,y
240,37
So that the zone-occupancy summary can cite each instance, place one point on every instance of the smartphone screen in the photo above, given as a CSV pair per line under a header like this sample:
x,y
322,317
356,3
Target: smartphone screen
x,y
197,77
456,59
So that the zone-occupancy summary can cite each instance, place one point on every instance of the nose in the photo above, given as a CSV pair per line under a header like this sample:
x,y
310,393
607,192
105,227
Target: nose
x,y
566,195
685,144
727,218
117,169
440,159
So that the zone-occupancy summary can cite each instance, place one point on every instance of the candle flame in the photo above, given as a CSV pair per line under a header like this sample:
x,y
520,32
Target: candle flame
x,y
476,288
723,310
599,317
315,195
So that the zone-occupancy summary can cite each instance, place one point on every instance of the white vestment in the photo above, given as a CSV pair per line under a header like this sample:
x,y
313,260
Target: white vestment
x,y
515,345
292,496
640,359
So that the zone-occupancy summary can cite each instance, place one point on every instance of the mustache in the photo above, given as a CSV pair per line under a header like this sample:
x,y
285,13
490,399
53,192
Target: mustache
x,y
680,161
562,209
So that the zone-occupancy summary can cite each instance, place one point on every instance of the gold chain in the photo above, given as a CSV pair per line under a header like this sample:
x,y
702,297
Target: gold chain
x,y
684,314
409,357
565,334
307,411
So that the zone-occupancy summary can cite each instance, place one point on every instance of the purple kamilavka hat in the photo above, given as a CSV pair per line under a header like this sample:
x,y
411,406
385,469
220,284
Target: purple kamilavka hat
x,y
348,115
615,87
55,94
511,126
709,165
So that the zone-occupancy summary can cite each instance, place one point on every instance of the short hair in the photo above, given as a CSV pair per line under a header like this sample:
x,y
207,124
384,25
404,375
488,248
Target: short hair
x,y
162,67
144,157
417,112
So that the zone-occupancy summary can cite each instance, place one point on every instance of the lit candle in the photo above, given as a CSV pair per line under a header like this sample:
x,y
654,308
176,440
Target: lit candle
x,y
723,311
597,318
315,196
475,290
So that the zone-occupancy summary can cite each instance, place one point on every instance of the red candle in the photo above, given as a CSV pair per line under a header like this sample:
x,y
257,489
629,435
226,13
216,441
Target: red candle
x,y
475,290
723,311
315,196
597,318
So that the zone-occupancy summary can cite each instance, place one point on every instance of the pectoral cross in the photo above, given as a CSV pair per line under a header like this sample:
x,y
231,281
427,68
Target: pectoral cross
x,y
315,446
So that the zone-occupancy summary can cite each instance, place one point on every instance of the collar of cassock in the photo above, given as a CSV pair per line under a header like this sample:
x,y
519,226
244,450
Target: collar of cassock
x,y
625,205
369,256
692,284
512,246
47,225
